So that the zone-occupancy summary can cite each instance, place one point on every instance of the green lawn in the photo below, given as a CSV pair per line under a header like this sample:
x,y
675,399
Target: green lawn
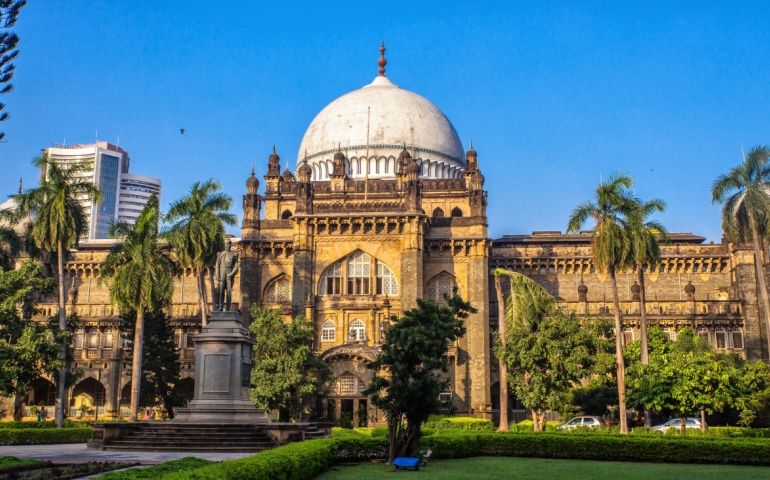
x,y
534,468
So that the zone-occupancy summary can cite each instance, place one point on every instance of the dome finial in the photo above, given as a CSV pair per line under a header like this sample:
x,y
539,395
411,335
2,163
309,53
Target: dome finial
x,y
382,62
252,169
273,147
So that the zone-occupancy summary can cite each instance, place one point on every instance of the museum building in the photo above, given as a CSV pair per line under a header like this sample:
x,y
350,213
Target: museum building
x,y
385,207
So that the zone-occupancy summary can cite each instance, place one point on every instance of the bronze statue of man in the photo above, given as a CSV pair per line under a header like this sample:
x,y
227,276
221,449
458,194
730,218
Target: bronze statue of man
x,y
226,268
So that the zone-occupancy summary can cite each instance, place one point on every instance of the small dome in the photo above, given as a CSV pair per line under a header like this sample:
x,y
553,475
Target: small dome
x,y
252,184
689,288
287,175
274,158
339,155
635,288
304,171
582,288
471,153
413,168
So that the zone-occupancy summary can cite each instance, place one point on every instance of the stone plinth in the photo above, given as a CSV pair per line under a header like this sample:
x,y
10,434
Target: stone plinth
x,y
222,375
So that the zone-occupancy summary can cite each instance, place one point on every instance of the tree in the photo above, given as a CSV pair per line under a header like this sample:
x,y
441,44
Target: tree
x,y
139,270
10,241
645,250
28,350
502,335
161,380
407,380
744,193
547,351
9,14
285,375
198,230
611,248
59,222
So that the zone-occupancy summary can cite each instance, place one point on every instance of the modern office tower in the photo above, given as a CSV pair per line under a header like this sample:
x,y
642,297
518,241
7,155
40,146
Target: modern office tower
x,y
135,191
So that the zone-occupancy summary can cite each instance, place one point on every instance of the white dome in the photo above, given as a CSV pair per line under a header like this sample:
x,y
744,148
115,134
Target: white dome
x,y
395,117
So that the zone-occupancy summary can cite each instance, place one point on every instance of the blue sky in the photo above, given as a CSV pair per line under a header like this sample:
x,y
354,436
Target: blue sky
x,y
553,95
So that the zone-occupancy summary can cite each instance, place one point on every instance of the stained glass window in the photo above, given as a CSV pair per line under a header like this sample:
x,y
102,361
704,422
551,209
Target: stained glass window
x,y
359,273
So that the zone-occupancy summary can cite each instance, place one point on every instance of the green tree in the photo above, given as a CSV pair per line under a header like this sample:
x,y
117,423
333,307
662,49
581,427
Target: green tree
x,y
547,351
59,221
744,193
611,248
10,241
502,329
285,375
198,230
161,380
9,14
645,236
407,373
139,271
28,350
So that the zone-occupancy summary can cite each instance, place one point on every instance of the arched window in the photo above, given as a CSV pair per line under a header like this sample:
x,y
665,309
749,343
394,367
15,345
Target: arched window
x,y
721,338
328,331
77,339
279,291
107,338
671,333
93,338
441,284
446,394
331,281
737,338
359,273
386,280
177,338
286,215
703,332
190,335
456,212
349,384
357,331
628,335
438,213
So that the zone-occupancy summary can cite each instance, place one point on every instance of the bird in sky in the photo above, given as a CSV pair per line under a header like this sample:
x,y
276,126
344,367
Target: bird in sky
x,y
182,130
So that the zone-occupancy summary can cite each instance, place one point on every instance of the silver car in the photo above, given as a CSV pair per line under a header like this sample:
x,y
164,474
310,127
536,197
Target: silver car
x,y
676,423
582,422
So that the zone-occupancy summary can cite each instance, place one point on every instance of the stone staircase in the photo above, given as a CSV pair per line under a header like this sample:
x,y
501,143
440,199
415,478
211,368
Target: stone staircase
x,y
190,438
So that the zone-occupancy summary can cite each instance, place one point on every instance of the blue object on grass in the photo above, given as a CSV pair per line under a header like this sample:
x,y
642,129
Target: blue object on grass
x,y
407,462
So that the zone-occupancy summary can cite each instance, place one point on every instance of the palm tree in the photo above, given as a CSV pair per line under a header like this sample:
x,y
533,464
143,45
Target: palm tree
x,y
198,229
612,251
59,221
645,250
745,196
11,243
140,272
503,331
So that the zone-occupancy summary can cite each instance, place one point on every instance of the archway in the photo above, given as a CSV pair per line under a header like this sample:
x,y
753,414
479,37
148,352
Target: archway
x,y
88,398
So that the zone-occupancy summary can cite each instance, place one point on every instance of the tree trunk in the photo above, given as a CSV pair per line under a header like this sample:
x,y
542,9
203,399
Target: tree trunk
x,y
619,355
18,411
503,329
61,392
645,357
683,426
538,420
761,278
704,426
201,295
136,368
212,288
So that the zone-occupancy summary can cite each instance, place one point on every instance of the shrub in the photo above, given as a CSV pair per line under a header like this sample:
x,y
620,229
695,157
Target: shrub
x,y
7,462
67,424
43,436
464,423
156,471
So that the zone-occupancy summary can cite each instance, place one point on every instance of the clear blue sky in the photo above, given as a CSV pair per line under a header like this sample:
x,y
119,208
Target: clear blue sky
x,y
552,95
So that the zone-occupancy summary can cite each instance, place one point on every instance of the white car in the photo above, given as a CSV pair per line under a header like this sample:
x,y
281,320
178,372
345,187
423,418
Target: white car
x,y
676,424
582,422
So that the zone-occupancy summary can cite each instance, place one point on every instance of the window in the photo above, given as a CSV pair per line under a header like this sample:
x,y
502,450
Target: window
x,y
386,280
286,215
721,338
671,333
359,273
177,338
107,339
77,339
349,384
278,291
446,394
737,338
628,335
703,332
93,338
190,335
328,331
331,280
357,331
440,285
438,213
456,212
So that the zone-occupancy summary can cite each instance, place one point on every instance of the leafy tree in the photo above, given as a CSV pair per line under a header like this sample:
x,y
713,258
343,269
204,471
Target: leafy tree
x,y
407,381
139,270
161,380
744,193
547,351
9,14
285,375
10,241
611,248
60,220
198,230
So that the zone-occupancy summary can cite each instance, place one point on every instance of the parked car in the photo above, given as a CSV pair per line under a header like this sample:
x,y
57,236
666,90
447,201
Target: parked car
x,y
582,422
676,423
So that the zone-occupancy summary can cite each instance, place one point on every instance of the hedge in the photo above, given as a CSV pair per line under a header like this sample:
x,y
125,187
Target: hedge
x,y
463,423
44,436
46,424
156,471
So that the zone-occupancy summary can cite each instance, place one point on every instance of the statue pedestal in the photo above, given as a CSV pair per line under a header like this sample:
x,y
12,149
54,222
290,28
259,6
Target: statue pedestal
x,y
222,375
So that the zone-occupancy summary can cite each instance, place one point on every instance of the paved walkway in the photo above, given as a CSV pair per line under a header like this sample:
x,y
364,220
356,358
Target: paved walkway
x,y
77,452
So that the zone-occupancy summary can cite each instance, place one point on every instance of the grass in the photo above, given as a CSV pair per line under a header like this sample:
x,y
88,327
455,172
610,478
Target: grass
x,y
480,468
157,471
6,462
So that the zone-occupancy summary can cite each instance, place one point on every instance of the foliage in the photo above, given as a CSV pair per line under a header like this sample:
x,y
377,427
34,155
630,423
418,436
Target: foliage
x,y
285,375
596,396
9,13
464,423
67,424
407,381
44,436
157,471
161,381
6,462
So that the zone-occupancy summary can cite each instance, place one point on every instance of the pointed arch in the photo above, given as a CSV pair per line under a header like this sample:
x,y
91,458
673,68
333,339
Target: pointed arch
x,y
387,283
438,212
456,212
440,285
286,214
328,331
357,330
348,384
278,290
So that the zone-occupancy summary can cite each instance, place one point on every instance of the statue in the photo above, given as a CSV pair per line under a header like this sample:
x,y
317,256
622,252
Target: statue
x,y
226,268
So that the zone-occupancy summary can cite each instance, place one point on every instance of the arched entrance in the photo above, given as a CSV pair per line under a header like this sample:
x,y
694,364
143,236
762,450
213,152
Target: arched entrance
x,y
88,399
44,393
347,406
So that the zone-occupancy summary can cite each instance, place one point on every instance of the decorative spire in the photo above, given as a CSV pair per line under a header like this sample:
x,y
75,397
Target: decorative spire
x,y
382,62
252,169
20,180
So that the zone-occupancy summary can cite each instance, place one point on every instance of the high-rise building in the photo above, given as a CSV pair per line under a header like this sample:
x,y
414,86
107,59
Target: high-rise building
x,y
108,166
